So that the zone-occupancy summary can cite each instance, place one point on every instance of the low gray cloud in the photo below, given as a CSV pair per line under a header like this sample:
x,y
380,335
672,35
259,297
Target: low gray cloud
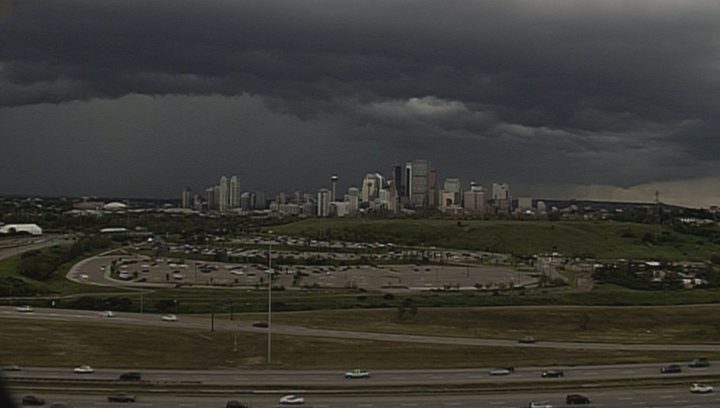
x,y
597,91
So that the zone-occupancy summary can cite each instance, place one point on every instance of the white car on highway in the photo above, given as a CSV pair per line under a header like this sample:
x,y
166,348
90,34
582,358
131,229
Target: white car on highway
x,y
24,309
356,374
292,400
534,404
107,313
701,388
83,369
169,318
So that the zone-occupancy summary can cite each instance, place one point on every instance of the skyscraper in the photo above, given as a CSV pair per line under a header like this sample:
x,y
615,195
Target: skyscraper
x,y
416,172
186,199
323,203
224,199
334,180
372,183
453,185
234,199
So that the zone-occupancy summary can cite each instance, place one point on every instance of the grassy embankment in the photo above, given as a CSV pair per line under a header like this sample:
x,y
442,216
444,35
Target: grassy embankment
x,y
48,343
682,324
596,239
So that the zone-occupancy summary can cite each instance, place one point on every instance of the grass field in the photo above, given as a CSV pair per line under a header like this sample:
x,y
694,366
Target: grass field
x,y
597,239
685,324
48,343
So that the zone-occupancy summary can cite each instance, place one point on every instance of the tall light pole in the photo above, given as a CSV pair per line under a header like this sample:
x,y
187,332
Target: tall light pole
x,y
270,276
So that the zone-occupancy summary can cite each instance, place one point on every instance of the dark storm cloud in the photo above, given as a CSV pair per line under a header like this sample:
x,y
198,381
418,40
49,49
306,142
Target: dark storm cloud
x,y
607,91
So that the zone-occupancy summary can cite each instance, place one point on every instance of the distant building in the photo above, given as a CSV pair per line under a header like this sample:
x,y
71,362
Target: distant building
x,y
454,186
234,193
224,199
340,208
474,200
245,202
525,203
433,193
416,182
186,198
353,199
323,203
372,183
32,229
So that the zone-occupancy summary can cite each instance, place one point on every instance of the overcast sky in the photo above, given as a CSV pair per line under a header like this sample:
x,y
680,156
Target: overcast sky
x,y
586,98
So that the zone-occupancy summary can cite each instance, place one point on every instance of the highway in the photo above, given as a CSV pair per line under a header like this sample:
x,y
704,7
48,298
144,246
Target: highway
x,y
260,378
644,398
201,322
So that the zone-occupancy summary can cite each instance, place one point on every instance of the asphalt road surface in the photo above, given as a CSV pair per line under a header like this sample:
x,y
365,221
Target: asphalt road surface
x,y
203,323
295,378
655,398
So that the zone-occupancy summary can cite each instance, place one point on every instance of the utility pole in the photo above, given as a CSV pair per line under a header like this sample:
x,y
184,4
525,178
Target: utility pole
x,y
212,321
270,276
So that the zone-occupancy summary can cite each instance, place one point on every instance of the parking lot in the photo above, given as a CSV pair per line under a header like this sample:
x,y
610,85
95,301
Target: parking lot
x,y
140,270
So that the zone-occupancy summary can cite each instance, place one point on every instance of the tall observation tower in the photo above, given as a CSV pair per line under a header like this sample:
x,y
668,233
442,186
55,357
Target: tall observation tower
x,y
334,180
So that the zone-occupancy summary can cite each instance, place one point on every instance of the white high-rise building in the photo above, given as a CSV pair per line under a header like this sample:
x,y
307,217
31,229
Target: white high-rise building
x,y
372,183
224,199
234,193
323,203
186,199
417,183
353,199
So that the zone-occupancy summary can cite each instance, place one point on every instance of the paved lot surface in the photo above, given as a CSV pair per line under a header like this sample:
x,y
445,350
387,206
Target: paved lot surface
x,y
144,271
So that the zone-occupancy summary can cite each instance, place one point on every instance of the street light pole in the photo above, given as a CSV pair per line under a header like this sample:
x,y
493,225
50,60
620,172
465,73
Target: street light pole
x,y
270,276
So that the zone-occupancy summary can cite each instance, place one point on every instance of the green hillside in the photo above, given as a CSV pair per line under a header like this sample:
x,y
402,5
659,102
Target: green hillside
x,y
598,239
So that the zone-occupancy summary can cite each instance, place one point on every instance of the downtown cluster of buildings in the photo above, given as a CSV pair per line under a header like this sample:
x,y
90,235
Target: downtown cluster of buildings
x,y
410,188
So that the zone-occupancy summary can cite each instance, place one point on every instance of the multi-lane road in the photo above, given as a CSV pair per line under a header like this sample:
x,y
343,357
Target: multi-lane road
x,y
263,387
325,378
198,322
644,398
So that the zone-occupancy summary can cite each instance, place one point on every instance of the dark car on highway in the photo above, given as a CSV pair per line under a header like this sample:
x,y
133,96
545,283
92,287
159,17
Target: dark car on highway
x,y
236,404
260,324
32,400
130,376
574,399
699,363
527,340
552,374
121,397
673,368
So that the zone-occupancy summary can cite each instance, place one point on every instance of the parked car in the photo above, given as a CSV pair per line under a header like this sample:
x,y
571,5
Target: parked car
x,y
355,374
121,397
107,313
671,369
130,376
84,369
699,363
24,309
32,400
501,371
574,399
698,388
292,400
552,373
236,404
169,318
527,340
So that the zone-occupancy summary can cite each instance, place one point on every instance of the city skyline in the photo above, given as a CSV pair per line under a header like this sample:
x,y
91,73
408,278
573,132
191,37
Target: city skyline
x,y
590,99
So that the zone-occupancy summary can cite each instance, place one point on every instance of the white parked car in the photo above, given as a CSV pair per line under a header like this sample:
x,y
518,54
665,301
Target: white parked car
x,y
107,313
84,369
24,309
356,374
292,400
701,388
169,318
